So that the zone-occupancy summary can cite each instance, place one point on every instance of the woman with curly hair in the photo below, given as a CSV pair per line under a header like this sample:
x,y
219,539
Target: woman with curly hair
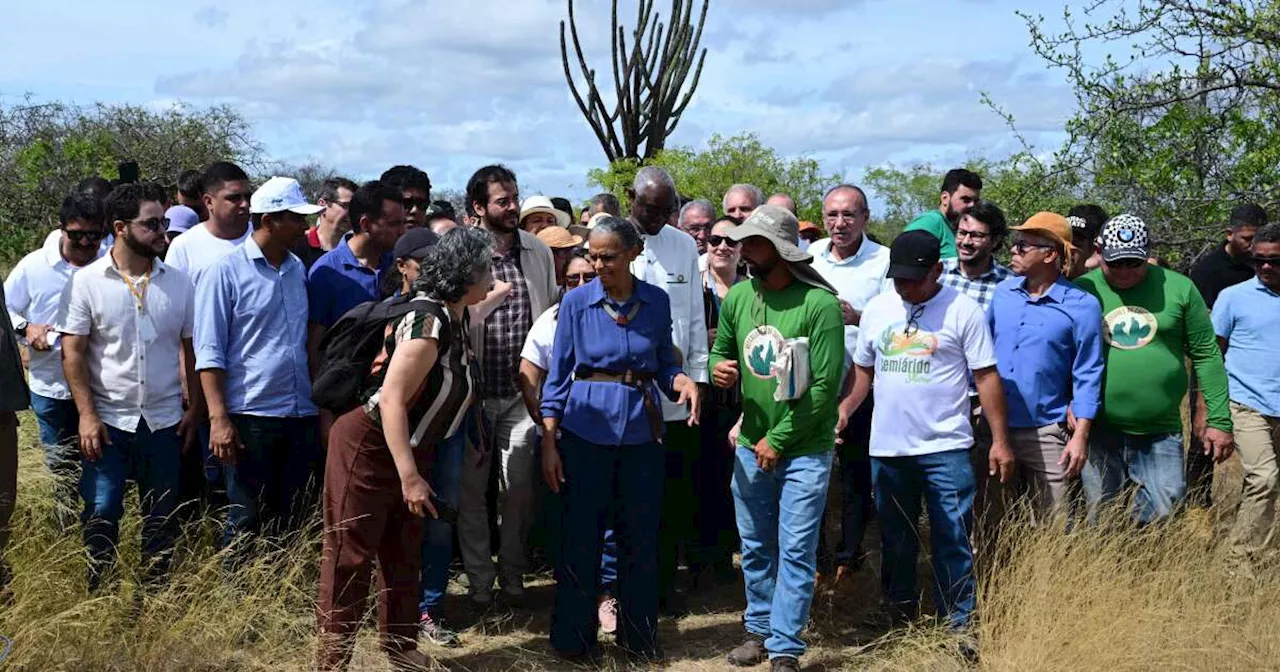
x,y
376,489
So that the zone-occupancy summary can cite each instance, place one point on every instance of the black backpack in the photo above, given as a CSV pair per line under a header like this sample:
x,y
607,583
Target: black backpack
x,y
349,348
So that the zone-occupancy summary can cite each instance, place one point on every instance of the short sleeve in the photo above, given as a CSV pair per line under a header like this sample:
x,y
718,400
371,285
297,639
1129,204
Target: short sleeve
x,y
1222,315
75,312
537,346
864,352
418,324
979,351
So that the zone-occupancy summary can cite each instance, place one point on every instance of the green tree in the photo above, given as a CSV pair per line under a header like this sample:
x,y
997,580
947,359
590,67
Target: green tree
x,y
726,161
46,149
1181,119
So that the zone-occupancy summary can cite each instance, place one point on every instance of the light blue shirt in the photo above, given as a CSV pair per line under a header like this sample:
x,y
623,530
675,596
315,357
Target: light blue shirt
x,y
1247,315
1048,352
251,321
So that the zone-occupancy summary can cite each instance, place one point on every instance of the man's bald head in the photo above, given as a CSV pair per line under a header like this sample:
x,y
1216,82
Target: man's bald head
x,y
783,201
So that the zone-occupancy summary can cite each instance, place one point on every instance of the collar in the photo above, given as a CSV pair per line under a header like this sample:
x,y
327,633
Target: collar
x,y
996,272
865,248
108,262
1057,291
313,237
52,251
596,295
348,258
1257,283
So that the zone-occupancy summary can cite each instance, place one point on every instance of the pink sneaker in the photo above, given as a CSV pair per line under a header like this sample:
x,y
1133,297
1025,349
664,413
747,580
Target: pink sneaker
x,y
607,614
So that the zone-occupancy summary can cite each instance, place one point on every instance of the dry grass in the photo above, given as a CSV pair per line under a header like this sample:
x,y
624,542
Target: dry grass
x,y
1083,600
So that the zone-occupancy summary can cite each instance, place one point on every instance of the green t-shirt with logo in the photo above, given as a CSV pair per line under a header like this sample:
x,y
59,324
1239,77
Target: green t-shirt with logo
x,y
935,223
1150,329
753,326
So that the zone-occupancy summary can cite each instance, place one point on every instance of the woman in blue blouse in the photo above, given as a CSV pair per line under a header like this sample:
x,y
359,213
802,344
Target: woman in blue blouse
x,y
611,358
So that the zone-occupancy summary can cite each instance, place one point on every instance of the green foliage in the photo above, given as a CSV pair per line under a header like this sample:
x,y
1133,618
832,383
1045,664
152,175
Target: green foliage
x,y
46,149
726,161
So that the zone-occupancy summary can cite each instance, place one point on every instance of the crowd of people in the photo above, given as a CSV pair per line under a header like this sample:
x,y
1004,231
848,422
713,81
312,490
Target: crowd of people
x,y
674,387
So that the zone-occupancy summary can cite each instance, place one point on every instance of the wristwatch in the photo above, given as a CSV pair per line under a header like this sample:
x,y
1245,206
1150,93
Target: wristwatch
x,y
21,328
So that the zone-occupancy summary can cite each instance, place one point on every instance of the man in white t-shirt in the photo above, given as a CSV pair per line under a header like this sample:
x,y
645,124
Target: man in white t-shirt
x,y
919,345
226,196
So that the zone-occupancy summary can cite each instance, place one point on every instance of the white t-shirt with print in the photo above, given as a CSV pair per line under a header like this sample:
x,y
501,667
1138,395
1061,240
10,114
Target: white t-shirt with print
x,y
542,335
197,250
922,377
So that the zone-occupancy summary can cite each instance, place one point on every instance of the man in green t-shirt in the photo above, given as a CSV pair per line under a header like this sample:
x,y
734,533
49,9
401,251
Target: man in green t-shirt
x,y
1152,321
784,448
961,190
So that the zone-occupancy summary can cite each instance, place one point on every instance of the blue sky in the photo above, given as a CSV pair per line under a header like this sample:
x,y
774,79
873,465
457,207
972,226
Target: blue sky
x,y
449,86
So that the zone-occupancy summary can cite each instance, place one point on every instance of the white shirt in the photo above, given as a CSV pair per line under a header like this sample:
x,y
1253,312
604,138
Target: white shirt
x,y
33,292
670,262
857,278
922,379
195,251
133,353
542,335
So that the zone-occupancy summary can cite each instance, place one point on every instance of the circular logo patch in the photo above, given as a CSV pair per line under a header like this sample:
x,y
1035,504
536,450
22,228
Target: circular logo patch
x,y
1129,327
761,348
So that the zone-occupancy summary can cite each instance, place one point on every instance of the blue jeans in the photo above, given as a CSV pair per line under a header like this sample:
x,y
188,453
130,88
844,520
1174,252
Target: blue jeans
x,y
151,459
779,515
437,537
628,479
1151,462
271,486
59,424
946,482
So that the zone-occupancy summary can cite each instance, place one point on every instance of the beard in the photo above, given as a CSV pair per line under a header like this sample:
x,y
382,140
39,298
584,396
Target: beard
x,y
138,247
762,269
501,223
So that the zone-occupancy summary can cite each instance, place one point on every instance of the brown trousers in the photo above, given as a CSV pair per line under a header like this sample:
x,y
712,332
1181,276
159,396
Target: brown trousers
x,y
365,519
8,479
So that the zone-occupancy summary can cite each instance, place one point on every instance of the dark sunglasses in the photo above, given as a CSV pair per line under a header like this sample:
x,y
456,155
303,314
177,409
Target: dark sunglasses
x,y
716,241
579,279
1273,262
153,224
82,236
1127,263
419,203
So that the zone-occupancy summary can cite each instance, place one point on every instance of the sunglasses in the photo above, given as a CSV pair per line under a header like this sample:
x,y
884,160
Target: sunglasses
x,y
579,279
419,203
1273,262
1020,247
82,236
153,224
1127,263
717,241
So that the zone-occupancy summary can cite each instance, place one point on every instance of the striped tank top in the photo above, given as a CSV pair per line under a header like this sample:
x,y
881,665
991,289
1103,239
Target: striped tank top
x,y
439,405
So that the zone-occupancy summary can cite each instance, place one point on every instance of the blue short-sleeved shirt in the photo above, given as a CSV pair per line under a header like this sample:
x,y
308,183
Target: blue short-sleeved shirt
x,y
339,282
1247,315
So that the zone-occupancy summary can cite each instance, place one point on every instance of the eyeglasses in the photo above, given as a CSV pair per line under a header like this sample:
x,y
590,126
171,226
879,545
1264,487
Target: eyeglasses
x,y
153,224
975,235
1020,247
578,279
411,203
344,204
913,322
1273,262
81,236
717,241
1127,263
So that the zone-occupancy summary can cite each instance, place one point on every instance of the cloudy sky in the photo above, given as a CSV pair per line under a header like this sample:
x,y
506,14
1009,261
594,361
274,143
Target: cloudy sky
x,y
450,85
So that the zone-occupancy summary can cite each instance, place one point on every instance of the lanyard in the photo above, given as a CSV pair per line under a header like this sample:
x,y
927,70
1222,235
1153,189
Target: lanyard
x,y
139,291
622,320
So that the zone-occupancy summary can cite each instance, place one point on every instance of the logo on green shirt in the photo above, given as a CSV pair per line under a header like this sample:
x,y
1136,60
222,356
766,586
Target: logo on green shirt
x,y
761,347
1130,327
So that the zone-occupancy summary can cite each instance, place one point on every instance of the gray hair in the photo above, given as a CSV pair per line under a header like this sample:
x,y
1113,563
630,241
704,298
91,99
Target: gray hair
x,y
698,204
1268,234
463,256
605,202
624,230
653,176
757,196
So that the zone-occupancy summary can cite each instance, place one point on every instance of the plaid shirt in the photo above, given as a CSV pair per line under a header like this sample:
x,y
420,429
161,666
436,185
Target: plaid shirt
x,y
505,330
981,288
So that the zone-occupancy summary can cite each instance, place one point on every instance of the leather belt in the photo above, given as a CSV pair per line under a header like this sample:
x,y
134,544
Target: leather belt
x,y
636,379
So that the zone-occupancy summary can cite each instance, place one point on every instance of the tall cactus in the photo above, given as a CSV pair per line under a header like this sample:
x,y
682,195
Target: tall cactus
x,y
649,77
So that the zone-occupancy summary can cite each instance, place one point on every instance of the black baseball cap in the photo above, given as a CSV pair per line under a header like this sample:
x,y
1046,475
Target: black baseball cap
x,y
414,244
912,255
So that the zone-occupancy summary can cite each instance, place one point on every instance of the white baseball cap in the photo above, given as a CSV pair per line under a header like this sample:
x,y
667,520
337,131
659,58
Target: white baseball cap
x,y
279,194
